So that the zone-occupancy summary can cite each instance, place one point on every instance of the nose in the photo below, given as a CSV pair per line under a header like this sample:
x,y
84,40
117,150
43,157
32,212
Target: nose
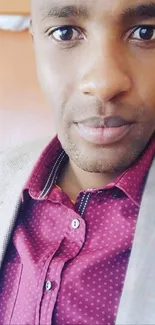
x,y
105,76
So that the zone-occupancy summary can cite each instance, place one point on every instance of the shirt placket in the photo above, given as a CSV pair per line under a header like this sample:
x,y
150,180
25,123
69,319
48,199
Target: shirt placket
x,y
50,280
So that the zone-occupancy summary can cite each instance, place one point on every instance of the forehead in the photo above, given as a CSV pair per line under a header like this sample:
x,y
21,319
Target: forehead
x,y
91,6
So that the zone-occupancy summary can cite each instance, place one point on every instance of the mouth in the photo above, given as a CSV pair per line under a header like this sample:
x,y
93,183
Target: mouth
x,y
104,131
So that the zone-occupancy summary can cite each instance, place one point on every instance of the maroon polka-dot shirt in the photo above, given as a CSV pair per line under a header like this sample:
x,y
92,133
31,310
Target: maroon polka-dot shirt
x,y
66,263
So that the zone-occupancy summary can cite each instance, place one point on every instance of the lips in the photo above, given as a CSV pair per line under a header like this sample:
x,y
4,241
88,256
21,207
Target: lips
x,y
104,131
111,121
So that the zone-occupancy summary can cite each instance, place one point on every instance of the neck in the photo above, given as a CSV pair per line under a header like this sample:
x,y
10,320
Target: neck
x,y
73,180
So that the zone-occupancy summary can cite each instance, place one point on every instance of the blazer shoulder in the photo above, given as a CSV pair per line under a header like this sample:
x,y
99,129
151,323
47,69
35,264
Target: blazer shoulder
x,y
15,159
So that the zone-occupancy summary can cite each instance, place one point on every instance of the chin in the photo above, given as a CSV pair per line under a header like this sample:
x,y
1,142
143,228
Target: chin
x,y
100,166
94,161
97,159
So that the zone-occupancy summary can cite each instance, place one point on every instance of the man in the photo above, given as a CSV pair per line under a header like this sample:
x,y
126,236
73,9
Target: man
x,y
67,249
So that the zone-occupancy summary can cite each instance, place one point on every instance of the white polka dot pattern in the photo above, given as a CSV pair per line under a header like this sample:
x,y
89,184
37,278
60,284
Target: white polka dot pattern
x,y
58,274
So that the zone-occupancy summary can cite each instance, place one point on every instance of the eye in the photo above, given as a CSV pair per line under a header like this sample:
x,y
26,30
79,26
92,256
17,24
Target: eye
x,y
66,34
144,33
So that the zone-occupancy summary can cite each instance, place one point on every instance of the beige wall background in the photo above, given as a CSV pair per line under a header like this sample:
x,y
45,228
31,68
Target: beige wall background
x,y
15,6
24,114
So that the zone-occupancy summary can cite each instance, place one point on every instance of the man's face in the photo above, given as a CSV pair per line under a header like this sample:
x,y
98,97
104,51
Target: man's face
x,y
96,65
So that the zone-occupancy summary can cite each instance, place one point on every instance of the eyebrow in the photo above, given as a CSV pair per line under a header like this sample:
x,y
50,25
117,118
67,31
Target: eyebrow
x,y
66,11
142,11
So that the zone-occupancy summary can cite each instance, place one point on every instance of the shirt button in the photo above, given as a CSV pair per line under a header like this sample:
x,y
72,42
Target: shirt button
x,y
48,285
75,224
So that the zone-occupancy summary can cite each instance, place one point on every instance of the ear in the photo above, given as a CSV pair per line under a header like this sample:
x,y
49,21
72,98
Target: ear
x,y
31,28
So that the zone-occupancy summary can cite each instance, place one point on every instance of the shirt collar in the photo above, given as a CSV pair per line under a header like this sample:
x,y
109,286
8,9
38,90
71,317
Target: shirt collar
x,y
47,169
132,181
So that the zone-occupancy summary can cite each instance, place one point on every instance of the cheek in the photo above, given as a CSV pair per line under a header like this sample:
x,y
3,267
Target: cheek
x,y
55,67
58,76
57,79
144,80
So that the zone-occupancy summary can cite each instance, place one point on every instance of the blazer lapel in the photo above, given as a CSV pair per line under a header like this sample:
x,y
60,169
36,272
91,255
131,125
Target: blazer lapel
x,y
137,306
15,168
9,207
